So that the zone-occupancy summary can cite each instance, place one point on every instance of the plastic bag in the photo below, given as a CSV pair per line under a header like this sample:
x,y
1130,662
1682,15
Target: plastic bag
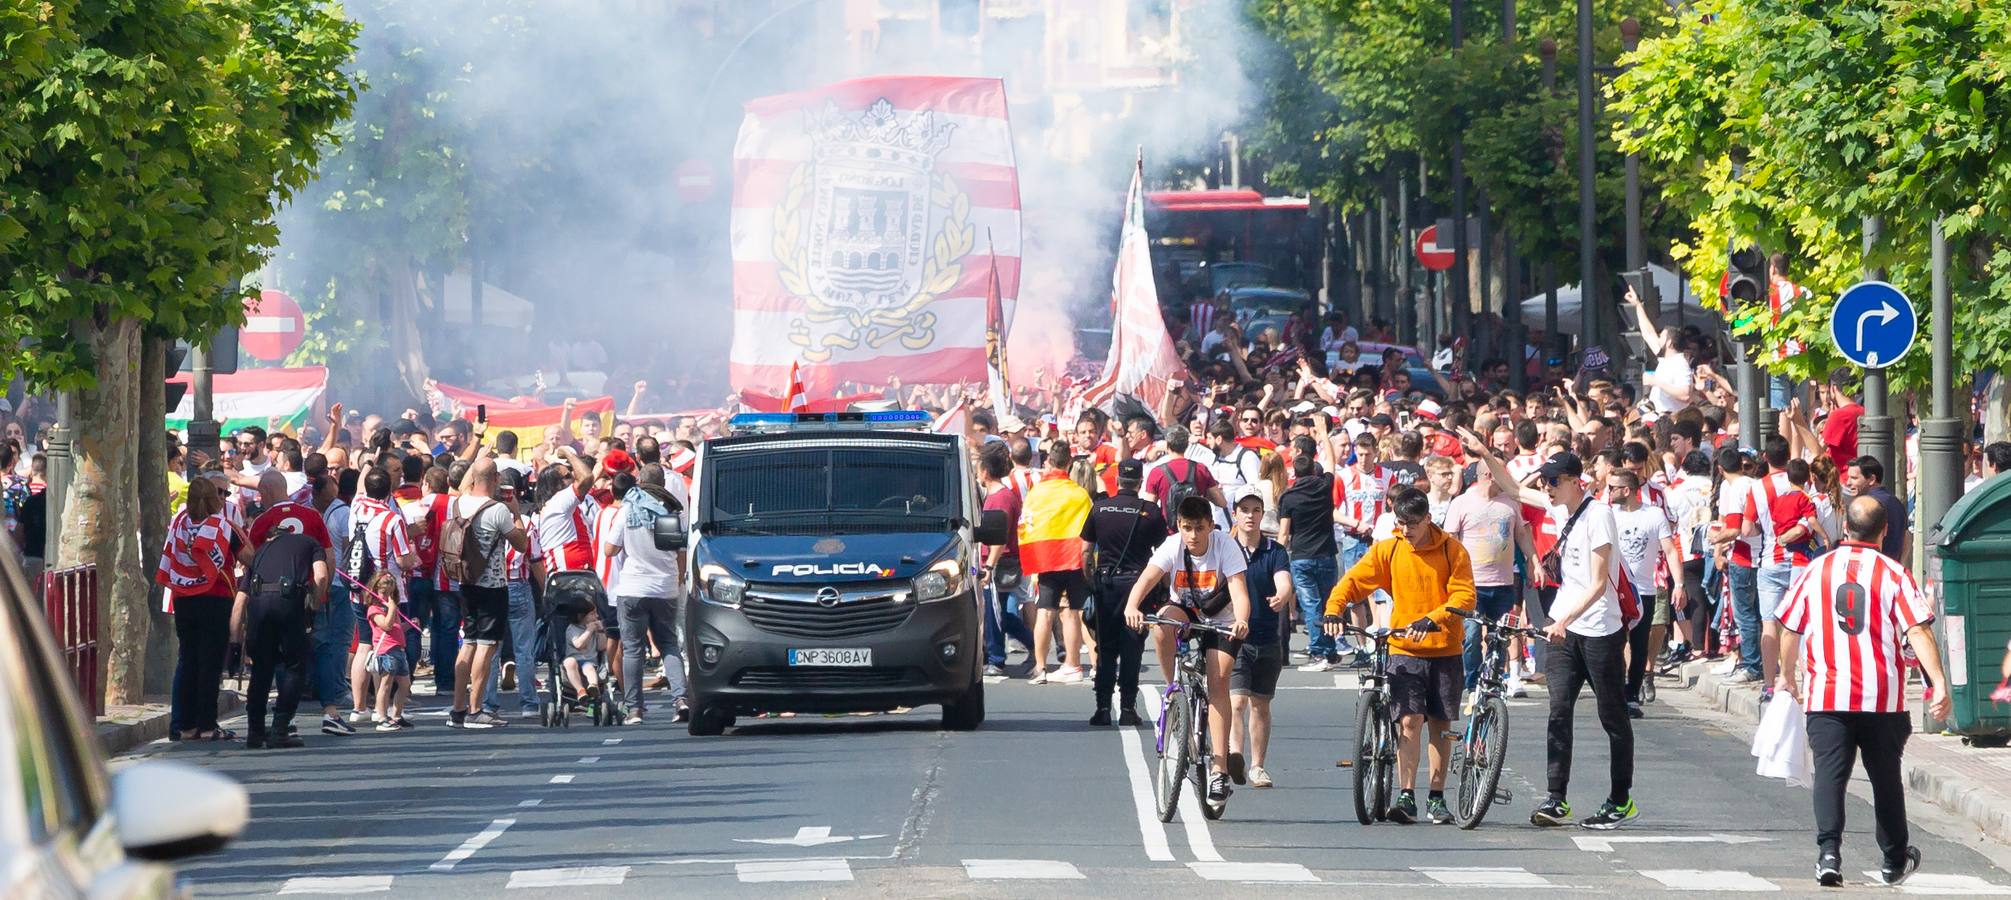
x,y
1782,742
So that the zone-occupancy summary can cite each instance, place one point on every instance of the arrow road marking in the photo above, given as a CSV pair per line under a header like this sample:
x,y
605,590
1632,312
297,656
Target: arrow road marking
x,y
1604,843
810,836
1885,313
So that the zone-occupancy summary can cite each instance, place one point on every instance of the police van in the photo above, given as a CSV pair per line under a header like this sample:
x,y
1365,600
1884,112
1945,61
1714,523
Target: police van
x,y
831,569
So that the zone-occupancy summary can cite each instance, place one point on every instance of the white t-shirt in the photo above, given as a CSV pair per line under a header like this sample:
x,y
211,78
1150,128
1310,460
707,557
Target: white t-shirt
x,y
1641,534
1595,528
1190,579
1732,502
1674,366
647,572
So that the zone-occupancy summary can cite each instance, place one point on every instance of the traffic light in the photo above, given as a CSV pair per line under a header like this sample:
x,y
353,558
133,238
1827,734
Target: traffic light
x,y
1745,289
177,352
222,353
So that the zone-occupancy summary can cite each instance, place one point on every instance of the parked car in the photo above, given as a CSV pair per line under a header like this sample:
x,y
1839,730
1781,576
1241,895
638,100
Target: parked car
x,y
67,829
1218,277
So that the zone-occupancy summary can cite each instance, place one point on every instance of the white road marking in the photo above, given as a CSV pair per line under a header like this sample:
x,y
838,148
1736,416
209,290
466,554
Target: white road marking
x,y
1945,885
468,847
579,876
810,836
1253,872
1604,843
589,760
1191,821
337,884
1695,880
1484,876
794,870
610,742
527,804
561,779
984,869
1150,829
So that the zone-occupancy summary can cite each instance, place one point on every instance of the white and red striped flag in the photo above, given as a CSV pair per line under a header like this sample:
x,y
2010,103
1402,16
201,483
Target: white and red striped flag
x,y
856,212
1142,359
794,399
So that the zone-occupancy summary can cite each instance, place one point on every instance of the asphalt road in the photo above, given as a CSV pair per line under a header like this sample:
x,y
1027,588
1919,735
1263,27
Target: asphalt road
x,y
1037,802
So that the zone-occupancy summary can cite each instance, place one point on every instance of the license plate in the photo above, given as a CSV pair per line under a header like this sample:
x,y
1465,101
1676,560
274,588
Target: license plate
x,y
828,656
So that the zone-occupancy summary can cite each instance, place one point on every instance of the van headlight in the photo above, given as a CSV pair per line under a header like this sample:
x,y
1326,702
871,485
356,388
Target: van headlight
x,y
720,587
944,579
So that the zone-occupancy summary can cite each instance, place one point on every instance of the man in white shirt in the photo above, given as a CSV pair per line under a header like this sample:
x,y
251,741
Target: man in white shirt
x,y
647,589
1588,643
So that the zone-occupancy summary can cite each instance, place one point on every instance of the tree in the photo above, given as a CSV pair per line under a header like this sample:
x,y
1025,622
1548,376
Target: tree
x,y
147,144
1784,124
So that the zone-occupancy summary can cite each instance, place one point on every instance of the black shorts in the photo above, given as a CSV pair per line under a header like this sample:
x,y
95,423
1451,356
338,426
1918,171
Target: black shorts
x,y
487,613
1257,668
1427,686
1063,590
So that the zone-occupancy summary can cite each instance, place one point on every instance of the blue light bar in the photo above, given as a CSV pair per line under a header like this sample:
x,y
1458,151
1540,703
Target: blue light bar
x,y
757,420
773,422
899,417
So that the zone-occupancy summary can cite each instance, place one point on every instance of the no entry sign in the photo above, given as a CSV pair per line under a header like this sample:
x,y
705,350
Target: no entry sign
x,y
1430,254
273,327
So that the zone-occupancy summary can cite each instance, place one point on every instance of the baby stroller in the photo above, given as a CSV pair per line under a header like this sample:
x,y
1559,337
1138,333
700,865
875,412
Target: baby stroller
x,y
568,595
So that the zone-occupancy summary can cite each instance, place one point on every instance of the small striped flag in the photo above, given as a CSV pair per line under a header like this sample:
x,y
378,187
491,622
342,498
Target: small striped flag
x,y
794,400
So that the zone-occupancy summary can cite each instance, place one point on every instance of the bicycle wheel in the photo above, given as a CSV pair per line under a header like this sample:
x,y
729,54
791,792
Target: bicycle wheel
x,y
1176,734
1485,752
1386,761
1203,761
1367,713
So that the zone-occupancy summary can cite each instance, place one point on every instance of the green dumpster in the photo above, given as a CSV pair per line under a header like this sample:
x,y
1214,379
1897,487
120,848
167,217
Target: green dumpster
x,y
1972,545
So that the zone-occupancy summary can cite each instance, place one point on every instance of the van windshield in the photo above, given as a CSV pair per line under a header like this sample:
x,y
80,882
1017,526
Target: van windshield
x,y
787,483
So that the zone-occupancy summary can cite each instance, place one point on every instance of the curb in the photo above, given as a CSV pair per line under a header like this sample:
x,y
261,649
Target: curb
x,y
1955,792
118,734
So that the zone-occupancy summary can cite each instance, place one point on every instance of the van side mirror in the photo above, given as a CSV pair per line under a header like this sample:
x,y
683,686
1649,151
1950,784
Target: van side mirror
x,y
991,528
668,533
170,810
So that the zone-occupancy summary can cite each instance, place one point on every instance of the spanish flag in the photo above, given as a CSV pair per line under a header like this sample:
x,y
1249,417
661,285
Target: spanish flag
x,y
1050,525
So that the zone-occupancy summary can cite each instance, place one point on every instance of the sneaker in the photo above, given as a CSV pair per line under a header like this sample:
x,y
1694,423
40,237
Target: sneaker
x,y
1555,812
1101,717
682,713
1435,810
633,719
1318,665
360,716
1066,675
1361,660
1259,778
479,720
1404,810
489,716
1726,668
1893,874
1634,711
1040,677
375,717
1235,764
1829,870
405,723
1128,718
509,678
1743,676
1515,689
1218,788
388,726
335,726
992,671
1611,815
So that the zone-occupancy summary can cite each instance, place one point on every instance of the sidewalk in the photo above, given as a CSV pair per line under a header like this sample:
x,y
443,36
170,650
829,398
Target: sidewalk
x,y
123,728
1971,783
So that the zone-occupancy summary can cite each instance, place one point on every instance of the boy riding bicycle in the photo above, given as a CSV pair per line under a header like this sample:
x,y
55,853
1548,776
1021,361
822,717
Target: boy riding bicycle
x,y
1427,574
1207,584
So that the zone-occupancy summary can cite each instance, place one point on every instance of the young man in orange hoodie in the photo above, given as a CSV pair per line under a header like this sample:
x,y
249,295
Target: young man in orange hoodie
x,y
1427,574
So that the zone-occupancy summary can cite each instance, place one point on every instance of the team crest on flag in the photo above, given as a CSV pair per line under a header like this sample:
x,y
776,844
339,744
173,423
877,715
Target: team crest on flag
x,y
869,233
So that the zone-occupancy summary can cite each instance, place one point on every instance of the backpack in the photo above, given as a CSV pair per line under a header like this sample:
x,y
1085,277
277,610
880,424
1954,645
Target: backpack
x,y
456,540
1182,487
361,565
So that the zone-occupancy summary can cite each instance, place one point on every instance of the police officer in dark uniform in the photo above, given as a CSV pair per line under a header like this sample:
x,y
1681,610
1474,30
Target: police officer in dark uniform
x,y
1125,530
283,585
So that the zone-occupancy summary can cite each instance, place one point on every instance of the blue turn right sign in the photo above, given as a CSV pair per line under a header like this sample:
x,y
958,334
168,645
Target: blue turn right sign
x,y
1873,324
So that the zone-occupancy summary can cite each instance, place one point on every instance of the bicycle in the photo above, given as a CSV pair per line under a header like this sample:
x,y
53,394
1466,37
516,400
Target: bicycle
x,y
1376,731
1184,751
1478,755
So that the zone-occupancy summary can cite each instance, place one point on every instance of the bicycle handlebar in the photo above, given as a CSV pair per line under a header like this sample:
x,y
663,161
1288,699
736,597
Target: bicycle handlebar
x,y
1479,619
1199,625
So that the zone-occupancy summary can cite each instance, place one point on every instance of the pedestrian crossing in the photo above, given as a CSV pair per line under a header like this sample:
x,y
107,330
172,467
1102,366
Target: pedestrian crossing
x,y
839,870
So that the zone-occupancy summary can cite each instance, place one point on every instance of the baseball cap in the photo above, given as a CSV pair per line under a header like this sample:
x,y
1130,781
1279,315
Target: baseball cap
x,y
1382,420
1562,465
1242,492
1009,423
1130,470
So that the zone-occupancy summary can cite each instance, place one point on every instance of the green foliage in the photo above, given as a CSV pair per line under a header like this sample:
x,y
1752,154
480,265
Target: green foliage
x,y
1373,87
144,147
1896,109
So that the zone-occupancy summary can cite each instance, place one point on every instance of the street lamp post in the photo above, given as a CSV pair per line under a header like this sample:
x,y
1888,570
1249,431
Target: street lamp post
x,y
1941,435
1458,277
1589,293
1874,432
1511,301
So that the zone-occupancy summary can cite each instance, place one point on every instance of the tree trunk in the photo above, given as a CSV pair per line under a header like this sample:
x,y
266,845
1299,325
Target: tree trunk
x,y
407,348
101,523
151,466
